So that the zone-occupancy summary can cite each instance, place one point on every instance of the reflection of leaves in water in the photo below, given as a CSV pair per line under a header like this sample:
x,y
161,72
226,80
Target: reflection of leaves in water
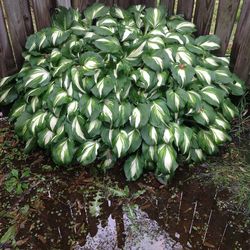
x,y
130,211
143,232
95,207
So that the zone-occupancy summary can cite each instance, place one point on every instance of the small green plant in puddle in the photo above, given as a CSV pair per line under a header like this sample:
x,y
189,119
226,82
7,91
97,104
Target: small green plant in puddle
x,y
16,181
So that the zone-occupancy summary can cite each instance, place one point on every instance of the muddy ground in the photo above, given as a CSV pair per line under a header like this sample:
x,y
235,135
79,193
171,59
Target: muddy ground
x,y
80,208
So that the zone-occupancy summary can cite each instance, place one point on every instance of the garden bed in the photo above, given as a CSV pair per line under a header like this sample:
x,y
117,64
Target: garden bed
x,y
79,208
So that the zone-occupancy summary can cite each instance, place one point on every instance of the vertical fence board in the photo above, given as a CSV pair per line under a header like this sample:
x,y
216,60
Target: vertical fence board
x,y
150,3
43,11
203,16
227,12
7,63
240,56
185,7
27,17
136,2
169,5
82,4
64,3
107,2
17,28
79,4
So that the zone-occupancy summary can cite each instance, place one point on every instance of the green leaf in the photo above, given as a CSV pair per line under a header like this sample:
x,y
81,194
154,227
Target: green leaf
x,y
77,128
196,155
155,17
178,134
121,143
209,42
93,128
155,61
205,115
159,113
110,111
134,137
58,36
155,43
229,110
182,73
17,109
220,122
125,110
150,135
204,75
108,136
166,163
90,107
149,152
103,87
187,140
63,152
8,95
91,61
206,142
140,115
37,77
238,87
184,27
45,137
144,78
87,153
37,122
95,11
184,56
136,52
176,100
133,167
212,95
108,44
6,80
219,135
30,145
223,75
63,65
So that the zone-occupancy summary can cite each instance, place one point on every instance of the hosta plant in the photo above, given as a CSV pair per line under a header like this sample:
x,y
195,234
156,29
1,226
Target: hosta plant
x,y
112,83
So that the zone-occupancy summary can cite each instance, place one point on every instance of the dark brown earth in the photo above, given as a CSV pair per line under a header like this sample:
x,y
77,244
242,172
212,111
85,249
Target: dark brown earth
x,y
81,208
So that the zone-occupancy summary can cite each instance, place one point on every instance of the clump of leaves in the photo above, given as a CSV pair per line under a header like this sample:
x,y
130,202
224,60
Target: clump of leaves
x,y
16,181
111,83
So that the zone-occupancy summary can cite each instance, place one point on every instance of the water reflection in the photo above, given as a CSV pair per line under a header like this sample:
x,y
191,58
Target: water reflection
x,y
140,232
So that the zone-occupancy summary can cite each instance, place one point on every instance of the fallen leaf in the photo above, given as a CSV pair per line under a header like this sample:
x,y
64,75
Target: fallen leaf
x,y
22,242
207,244
41,238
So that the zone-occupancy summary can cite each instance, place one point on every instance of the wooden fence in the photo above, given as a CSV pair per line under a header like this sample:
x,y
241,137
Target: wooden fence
x,y
20,18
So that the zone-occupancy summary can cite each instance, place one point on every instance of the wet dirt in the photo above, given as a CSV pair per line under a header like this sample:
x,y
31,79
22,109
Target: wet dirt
x,y
81,208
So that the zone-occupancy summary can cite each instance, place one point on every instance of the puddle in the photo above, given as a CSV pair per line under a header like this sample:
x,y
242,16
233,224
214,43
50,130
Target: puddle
x,y
84,210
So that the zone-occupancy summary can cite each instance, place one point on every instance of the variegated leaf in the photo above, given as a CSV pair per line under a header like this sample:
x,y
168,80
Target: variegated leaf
x,y
150,135
166,159
121,143
63,152
159,113
87,152
183,73
206,142
140,115
133,167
